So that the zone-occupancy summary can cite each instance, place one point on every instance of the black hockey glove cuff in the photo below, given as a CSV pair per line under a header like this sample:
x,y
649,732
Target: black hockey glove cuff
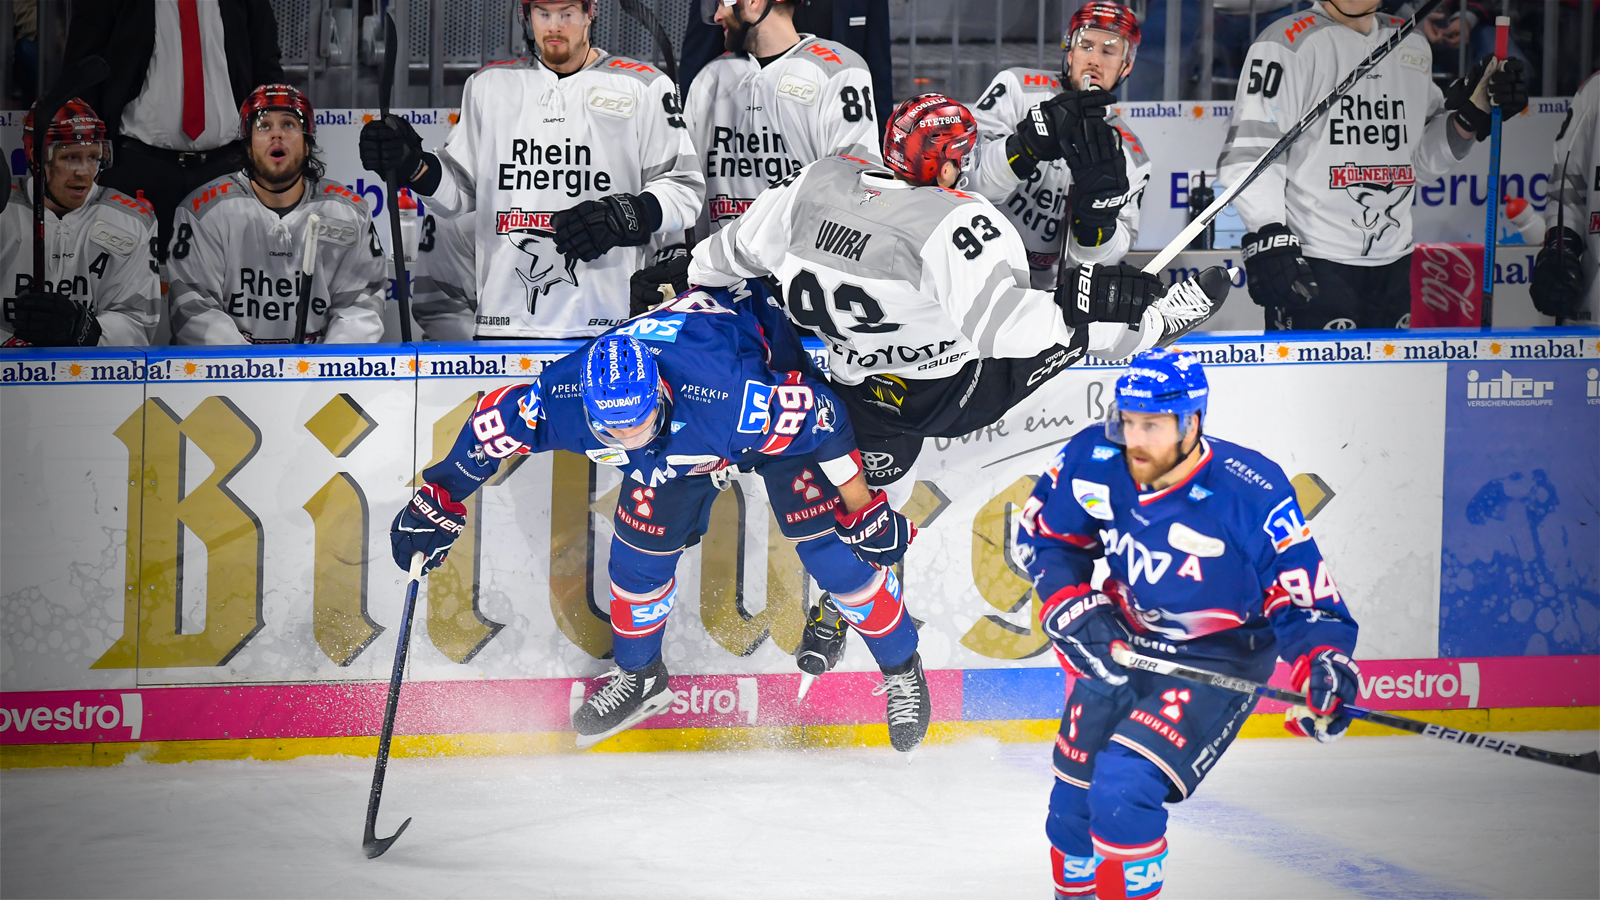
x,y
645,287
1507,89
390,144
1118,294
1278,275
1557,286
591,229
54,320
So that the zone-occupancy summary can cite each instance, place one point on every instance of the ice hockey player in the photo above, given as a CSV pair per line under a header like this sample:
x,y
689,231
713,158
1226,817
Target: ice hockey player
x,y
921,290
1210,562
1054,156
570,162
675,399
1330,244
1564,274
238,243
444,293
101,286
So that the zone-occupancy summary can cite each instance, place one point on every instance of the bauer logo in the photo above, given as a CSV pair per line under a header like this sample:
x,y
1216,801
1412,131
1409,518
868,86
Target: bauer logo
x,y
611,103
1508,390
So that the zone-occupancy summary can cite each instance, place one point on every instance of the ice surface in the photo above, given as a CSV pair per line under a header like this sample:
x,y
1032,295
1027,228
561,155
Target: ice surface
x,y
1367,817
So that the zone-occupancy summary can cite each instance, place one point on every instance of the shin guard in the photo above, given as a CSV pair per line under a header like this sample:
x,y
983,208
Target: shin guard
x,y
638,623
1129,873
876,613
1074,875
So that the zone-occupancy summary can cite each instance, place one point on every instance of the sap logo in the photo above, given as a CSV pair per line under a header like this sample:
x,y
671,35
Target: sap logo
x,y
1198,493
646,614
1143,878
678,426
608,456
855,615
664,329
798,89
1101,454
1077,868
611,103
1140,560
1094,498
755,413
1285,526
1507,387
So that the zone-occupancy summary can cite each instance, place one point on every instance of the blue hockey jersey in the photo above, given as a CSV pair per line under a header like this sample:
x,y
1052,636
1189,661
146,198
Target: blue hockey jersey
x,y
1219,570
729,406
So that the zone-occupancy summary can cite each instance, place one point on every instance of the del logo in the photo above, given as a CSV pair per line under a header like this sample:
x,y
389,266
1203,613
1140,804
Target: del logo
x,y
724,207
1094,498
509,220
1352,175
664,329
798,90
611,103
754,413
1285,526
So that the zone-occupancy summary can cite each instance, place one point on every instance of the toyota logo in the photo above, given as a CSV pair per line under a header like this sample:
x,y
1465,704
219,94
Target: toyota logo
x,y
877,462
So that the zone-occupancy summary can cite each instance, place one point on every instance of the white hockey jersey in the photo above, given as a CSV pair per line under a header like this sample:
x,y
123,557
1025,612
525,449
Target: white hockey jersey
x,y
530,144
234,267
897,279
1578,150
99,252
444,279
1038,206
755,125
1345,185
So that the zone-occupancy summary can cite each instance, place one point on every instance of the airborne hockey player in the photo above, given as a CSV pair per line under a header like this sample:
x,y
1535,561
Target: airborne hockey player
x,y
1565,282
238,242
570,164
920,290
1330,244
674,399
1053,156
1208,559
101,286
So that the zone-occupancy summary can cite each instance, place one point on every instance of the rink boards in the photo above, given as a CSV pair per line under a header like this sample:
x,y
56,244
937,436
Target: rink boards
x,y
194,550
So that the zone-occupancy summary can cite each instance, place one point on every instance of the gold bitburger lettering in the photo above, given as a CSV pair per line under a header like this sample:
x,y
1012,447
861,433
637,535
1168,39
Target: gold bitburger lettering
x,y
559,167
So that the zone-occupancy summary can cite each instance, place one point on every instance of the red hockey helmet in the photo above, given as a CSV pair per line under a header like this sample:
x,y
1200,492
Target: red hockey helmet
x,y
1104,15
589,7
277,96
924,133
74,123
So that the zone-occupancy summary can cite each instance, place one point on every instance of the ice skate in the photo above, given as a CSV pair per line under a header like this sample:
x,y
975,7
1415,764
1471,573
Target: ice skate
x,y
627,699
1190,302
821,643
910,705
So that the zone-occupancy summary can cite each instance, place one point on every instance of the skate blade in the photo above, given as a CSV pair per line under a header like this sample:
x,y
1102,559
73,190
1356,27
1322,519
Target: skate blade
x,y
651,707
806,680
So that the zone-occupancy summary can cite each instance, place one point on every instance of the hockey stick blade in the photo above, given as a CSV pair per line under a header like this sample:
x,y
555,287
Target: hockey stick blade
x,y
1189,231
642,14
370,842
1583,762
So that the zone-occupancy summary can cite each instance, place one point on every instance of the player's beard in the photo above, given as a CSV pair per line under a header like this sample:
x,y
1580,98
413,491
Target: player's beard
x,y
278,175
1157,463
734,36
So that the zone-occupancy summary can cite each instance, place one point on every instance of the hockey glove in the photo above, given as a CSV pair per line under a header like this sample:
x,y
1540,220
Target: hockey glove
x,y
1099,182
1330,681
646,287
1118,293
55,320
390,144
1278,275
1044,134
589,230
875,533
429,524
1557,286
1471,96
1084,623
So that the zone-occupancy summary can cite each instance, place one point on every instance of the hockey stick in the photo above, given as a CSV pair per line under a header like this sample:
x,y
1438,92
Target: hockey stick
x,y
373,844
308,263
1561,213
391,187
1583,762
86,74
640,13
1491,219
1156,264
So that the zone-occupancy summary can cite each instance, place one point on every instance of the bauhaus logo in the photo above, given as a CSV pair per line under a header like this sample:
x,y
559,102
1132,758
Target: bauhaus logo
x,y
1508,390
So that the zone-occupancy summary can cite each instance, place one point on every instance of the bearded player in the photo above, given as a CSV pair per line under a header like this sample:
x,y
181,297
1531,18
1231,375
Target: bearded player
x,y
238,242
1211,564
100,286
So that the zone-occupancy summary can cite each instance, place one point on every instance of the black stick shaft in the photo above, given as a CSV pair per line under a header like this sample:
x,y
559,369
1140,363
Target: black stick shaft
x,y
1584,762
391,180
374,845
308,264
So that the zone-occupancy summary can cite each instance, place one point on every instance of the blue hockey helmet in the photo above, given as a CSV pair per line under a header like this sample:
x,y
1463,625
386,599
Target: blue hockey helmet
x,y
1159,381
621,390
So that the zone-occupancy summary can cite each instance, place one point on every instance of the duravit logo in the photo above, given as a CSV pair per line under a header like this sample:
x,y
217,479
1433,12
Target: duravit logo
x,y
1508,390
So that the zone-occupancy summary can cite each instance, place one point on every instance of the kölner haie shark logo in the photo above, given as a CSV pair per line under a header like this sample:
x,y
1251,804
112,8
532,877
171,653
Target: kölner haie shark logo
x,y
531,233
1379,189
